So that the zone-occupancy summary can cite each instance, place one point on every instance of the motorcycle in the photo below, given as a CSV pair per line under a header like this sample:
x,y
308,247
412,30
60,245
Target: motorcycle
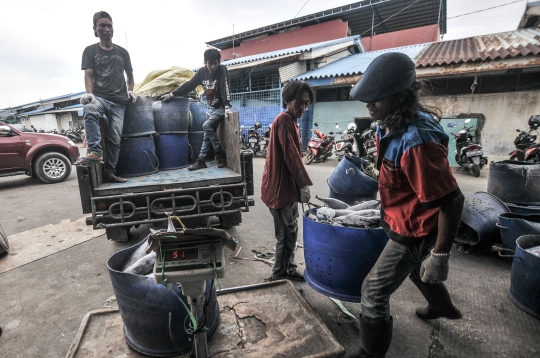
x,y
319,146
242,138
265,140
4,245
369,142
347,146
469,155
253,138
527,150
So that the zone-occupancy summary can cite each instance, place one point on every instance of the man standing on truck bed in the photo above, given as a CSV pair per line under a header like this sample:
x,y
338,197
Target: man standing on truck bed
x,y
106,95
215,80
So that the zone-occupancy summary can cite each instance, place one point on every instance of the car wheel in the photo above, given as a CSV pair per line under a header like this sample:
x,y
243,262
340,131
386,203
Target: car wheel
x,y
52,167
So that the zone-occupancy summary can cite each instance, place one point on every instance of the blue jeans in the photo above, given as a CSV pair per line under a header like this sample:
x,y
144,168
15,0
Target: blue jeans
x,y
391,269
286,230
210,127
113,113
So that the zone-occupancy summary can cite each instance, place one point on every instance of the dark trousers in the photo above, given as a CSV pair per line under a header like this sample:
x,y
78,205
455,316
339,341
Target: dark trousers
x,y
286,229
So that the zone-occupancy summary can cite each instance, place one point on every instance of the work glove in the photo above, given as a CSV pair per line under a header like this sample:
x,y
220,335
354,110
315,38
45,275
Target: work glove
x,y
88,98
167,97
305,196
228,112
434,269
132,96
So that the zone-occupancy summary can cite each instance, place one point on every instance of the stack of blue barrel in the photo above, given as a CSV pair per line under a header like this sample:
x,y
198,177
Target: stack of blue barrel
x,y
171,119
137,150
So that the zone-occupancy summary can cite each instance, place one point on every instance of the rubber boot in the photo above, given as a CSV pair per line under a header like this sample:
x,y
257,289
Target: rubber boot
x,y
439,301
221,159
375,338
199,164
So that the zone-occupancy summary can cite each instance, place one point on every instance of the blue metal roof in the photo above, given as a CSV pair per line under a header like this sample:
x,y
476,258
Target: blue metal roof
x,y
292,50
37,111
46,100
357,64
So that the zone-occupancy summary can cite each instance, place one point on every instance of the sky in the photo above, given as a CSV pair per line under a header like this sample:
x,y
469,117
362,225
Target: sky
x,y
41,42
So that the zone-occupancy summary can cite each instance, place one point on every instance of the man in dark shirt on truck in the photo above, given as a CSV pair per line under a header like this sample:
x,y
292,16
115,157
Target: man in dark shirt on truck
x,y
107,94
215,81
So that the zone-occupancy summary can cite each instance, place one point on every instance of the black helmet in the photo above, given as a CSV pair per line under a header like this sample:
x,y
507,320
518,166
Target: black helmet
x,y
534,121
258,125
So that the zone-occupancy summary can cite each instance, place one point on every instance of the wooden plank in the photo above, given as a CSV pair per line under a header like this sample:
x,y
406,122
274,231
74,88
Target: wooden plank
x,y
228,134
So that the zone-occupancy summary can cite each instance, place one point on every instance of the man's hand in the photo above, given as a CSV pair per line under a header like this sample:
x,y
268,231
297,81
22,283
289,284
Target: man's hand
x,y
305,196
167,97
228,112
88,98
132,96
434,269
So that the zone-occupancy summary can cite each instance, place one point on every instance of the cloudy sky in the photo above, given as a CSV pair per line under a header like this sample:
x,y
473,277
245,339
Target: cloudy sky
x,y
41,42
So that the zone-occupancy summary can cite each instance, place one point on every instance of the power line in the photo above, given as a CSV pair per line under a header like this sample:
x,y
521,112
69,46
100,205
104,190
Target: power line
x,y
489,8
300,10
380,23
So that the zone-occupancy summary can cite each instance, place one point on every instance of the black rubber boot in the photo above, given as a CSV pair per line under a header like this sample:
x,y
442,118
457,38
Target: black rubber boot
x,y
221,159
375,338
199,164
439,301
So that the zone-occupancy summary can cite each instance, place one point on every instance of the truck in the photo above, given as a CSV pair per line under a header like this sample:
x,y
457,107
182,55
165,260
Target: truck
x,y
192,196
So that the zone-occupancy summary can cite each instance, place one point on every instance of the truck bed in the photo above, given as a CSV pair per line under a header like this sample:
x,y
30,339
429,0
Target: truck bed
x,y
172,179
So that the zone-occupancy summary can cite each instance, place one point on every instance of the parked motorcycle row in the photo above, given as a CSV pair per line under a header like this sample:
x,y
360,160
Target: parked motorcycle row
x,y
527,150
76,134
254,140
469,154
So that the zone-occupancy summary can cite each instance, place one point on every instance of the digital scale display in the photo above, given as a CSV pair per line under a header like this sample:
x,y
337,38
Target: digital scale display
x,y
182,254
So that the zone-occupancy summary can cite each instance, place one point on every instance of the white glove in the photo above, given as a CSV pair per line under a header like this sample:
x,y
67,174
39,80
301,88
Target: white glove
x,y
434,269
132,96
88,98
305,196
167,97
228,112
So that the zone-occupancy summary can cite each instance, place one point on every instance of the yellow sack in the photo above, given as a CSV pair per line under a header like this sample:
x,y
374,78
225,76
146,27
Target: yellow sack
x,y
160,82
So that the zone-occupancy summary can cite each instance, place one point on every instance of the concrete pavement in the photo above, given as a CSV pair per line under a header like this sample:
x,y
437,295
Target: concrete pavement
x,y
44,301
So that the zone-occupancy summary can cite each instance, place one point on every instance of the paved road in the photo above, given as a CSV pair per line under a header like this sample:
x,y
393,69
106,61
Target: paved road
x,y
44,301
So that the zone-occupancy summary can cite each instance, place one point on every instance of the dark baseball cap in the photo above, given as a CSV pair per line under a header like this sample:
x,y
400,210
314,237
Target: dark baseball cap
x,y
388,74
101,15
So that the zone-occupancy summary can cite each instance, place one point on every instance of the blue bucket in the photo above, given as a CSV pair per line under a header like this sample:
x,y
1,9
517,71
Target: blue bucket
x,y
138,118
338,259
523,209
198,114
349,184
172,150
146,309
137,157
525,276
512,226
171,116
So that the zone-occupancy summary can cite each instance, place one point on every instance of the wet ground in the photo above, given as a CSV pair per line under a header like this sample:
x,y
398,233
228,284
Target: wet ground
x,y
43,301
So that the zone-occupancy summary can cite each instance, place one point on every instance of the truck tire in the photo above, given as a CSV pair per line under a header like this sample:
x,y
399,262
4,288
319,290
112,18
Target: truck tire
x,y
117,233
229,220
52,167
4,245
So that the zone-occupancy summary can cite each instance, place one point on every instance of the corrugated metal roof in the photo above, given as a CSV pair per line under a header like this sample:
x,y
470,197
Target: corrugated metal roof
x,y
522,42
292,50
357,64
259,62
36,111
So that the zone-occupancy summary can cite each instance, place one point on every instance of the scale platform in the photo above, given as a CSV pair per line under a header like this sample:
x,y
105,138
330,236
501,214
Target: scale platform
x,y
264,320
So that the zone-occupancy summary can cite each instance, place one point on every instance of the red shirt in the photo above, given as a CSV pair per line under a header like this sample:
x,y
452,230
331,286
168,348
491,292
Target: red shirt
x,y
284,173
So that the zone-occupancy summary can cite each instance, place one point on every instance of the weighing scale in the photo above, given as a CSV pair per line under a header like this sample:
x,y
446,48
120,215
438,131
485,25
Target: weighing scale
x,y
191,257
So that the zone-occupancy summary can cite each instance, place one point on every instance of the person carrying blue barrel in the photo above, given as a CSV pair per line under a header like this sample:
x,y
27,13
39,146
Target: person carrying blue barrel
x,y
421,202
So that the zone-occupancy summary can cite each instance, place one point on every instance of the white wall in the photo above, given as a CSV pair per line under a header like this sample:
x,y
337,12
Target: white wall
x,y
46,122
503,114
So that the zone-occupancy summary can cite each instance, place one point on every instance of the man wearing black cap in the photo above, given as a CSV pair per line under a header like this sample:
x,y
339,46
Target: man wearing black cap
x,y
107,94
421,203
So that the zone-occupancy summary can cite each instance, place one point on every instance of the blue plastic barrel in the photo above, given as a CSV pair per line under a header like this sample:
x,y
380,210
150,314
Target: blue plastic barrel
x,y
523,209
198,114
172,150
525,276
147,309
171,116
339,258
513,225
137,157
139,118
195,144
349,184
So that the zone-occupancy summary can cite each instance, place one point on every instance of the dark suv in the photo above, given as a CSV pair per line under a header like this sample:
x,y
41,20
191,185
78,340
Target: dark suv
x,y
46,156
